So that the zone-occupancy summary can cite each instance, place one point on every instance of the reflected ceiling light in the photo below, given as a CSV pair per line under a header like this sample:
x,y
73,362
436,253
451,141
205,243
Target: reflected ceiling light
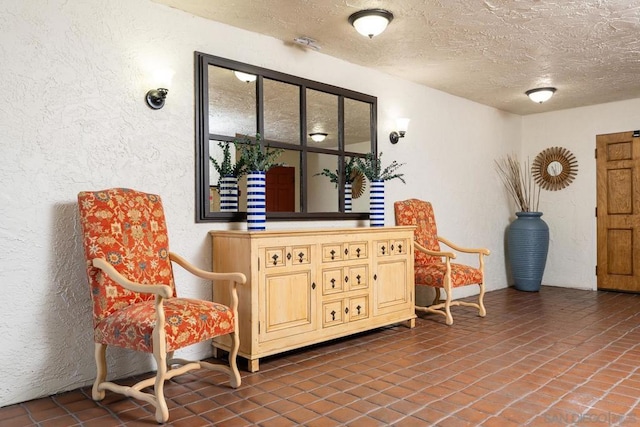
x,y
155,97
318,136
402,125
371,22
540,94
245,77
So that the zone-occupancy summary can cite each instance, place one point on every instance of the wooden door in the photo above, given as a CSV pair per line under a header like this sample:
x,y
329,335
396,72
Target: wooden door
x,y
281,189
618,211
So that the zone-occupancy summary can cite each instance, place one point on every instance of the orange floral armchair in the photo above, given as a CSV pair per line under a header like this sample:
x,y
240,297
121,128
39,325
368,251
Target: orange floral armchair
x,y
433,267
135,305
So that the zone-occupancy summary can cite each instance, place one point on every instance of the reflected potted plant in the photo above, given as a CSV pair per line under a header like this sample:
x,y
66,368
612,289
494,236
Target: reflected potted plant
x,y
528,235
257,161
371,168
349,176
229,174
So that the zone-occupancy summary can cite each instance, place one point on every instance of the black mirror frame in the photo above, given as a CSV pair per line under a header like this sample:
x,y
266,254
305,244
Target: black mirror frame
x,y
202,62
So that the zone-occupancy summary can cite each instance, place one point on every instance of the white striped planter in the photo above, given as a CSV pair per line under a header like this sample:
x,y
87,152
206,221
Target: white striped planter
x,y
256,201
347,197
376,204
229,194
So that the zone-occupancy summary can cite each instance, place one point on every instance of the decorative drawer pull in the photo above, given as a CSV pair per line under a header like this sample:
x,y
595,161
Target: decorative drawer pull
x,y
358,277
392,247
333,315
346,310
400,248
383,249
358,252
301,256
275,259
375,277
289,256
346,251
313,285
332,254
346,279
358,308
333,283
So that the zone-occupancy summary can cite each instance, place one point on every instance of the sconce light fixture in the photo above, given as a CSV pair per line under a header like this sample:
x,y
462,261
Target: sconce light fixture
x,y
401,128
318,136
371,22
245,77
541,94
155,97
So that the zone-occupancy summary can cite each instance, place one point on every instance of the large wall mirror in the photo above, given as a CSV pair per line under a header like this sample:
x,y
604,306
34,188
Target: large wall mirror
x,y
235,100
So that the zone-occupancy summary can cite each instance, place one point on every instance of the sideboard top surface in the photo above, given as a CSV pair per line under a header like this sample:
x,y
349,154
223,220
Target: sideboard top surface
x,y
310,231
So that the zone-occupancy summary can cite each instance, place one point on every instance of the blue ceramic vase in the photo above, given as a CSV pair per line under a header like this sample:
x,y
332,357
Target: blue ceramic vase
x,y
527,248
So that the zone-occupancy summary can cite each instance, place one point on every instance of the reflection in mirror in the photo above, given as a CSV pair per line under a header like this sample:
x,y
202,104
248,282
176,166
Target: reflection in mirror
x,y
274,106
283,184
232,103
322,116
281,112
357,126
554,168
359,194
216,151
323,193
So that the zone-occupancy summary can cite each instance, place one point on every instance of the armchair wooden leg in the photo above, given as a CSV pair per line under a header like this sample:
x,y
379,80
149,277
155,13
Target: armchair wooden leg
x,y
160,355
447,309
481,311
436,300
101,371
234,375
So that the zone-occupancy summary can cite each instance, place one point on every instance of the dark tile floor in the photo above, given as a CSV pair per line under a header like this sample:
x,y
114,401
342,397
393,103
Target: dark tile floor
x,y
557,357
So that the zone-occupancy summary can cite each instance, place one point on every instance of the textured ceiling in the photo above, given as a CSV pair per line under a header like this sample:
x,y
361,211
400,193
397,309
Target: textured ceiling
x,y
488,51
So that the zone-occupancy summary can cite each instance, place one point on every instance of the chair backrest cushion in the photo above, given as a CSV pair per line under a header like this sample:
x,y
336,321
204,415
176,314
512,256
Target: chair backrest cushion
x,y
419,213
128,229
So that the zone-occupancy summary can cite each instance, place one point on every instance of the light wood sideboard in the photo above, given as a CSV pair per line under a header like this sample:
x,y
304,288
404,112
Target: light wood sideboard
x,y
309,286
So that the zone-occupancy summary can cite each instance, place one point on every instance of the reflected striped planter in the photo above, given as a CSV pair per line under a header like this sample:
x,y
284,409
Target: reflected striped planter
x,y
228,194
256,201
347,197
376,204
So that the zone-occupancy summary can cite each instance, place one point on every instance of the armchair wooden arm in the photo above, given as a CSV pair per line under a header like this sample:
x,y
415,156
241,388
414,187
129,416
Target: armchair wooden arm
x,y
453,246
163,291
209,275
448,255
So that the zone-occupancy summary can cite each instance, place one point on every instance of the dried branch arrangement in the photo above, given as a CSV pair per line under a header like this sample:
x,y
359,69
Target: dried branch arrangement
x,y
519,183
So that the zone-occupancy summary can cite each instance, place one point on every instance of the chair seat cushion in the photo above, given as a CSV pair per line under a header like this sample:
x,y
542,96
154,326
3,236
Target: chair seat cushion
x,y
433,275
187,321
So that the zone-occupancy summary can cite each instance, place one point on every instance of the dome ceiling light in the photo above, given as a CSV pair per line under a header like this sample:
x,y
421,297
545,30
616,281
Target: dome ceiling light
x,y
371,22
541,94
318,136
245,77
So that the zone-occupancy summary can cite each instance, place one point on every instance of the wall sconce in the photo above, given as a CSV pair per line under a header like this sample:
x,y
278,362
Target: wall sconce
x,y
318,136
245,77
401,128
371,22
541,94
155,97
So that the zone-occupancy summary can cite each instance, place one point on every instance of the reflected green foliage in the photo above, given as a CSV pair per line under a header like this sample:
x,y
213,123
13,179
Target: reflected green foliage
x,y
227,167
349,168
371,167
255,156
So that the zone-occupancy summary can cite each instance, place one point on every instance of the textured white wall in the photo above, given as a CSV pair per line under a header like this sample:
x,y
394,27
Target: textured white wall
x,y
72,118
570,212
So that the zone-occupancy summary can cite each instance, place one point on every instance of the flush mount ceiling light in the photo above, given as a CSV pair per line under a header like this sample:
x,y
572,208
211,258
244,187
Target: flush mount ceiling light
x,y
540,94
245,77
371,22
318,136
